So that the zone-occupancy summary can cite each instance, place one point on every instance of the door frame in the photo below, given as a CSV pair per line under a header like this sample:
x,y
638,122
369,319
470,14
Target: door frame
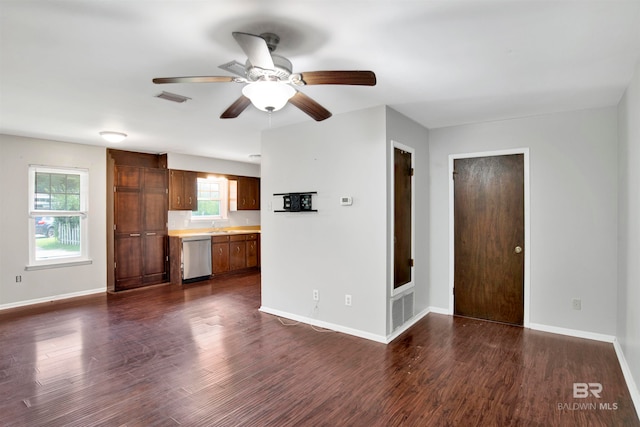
x,y
527,229
395,144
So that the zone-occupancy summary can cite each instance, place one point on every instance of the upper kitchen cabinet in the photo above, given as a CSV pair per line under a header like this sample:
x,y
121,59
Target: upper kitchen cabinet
x,y
248,197
183,190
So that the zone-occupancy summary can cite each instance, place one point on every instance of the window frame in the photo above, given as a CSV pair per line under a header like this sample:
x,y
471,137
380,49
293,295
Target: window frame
x,y
224,199
82,213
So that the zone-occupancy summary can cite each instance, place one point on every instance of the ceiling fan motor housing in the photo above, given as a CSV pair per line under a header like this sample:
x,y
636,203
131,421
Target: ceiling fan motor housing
x,y
282,70
271,39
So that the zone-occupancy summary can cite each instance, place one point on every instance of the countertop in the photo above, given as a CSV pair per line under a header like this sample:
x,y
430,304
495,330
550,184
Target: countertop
x,y
213,232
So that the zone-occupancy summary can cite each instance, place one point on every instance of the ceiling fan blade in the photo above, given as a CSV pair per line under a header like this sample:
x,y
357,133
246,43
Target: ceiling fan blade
x,y
362,78
236,108
195,79
256,49
309,106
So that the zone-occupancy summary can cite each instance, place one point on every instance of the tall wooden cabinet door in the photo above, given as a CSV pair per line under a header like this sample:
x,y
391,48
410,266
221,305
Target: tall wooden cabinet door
x,y
128,262
154,209
155,258
252,251
127,227
127,176
154,223
127,211
154,212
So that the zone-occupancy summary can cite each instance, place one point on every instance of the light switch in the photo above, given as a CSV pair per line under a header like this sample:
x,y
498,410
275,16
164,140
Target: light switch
x,y
346,201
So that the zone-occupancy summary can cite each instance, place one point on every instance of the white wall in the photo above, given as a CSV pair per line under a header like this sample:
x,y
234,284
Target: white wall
x,y
628,320
16,154
208,164
573,188
338,250
181,220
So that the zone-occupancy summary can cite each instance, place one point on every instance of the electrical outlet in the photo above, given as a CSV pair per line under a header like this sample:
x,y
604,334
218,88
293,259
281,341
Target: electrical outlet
x,y
316,295
576,303
347,300
18,279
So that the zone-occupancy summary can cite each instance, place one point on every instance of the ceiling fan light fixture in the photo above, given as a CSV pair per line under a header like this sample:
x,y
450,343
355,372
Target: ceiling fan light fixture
x,y
268,95
111,136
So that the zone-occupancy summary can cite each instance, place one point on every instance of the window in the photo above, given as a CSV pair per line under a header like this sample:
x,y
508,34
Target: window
x,y
58,215
212,199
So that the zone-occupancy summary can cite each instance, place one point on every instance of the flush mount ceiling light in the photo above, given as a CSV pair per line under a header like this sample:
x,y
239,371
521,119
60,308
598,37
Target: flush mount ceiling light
x,y
268,95
113,136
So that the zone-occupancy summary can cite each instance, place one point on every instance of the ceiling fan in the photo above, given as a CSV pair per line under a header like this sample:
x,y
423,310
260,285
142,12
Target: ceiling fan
x,y
270,82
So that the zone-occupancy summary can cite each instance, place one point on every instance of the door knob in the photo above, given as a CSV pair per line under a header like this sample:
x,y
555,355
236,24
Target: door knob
x,y
518,249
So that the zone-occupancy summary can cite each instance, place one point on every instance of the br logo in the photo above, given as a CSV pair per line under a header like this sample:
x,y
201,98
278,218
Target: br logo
x,y
582,390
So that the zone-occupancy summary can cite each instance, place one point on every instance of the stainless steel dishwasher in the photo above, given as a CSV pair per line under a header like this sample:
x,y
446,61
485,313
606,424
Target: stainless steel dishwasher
x,y
196,258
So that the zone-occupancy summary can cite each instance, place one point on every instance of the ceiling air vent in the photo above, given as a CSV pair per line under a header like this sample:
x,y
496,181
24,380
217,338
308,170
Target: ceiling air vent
x,y
173,97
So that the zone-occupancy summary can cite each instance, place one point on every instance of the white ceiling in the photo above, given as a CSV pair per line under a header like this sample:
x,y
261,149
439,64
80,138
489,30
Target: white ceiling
x,y
69,69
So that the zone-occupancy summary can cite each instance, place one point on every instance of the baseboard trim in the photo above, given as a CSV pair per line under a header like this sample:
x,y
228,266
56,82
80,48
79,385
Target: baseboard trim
x,y
572,332
325,325
626,371
51,298
440,310
395,334
628,377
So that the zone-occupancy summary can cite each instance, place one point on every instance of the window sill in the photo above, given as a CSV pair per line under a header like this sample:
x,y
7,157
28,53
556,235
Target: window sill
x,y
58,264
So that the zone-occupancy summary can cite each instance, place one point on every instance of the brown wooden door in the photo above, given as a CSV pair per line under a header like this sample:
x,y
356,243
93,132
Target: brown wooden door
x,y
489,238
402,218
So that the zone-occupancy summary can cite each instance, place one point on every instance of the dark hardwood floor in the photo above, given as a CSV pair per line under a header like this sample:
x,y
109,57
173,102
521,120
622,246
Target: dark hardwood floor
x,y
205,356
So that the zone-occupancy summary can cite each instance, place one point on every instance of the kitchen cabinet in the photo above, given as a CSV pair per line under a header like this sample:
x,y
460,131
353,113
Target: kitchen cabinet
x,y
234,252
219,254
248,197
252,252
237,252
183,190
140,243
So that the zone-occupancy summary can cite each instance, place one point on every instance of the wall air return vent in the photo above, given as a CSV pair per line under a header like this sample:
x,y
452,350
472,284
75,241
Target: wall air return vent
x,y
173,97
401,310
